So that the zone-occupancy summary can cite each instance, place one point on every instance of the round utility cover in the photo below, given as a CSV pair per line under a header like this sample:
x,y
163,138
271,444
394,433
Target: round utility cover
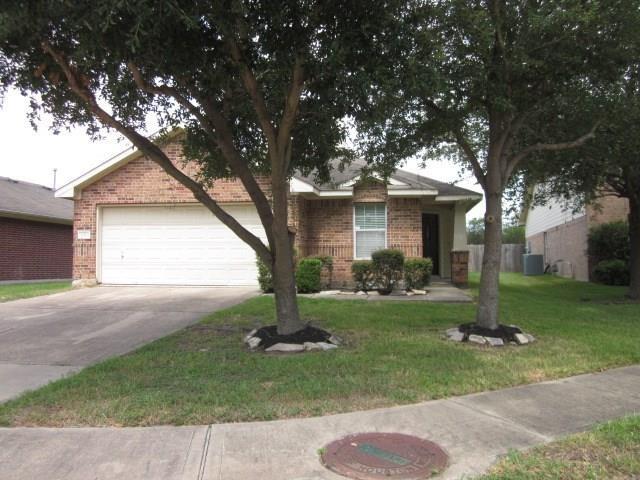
x,y
371,456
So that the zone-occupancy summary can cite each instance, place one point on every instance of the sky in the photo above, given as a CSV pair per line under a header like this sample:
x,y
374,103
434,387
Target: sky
x,y
32,156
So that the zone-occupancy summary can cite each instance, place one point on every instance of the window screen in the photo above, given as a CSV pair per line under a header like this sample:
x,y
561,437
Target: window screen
x,y
370,228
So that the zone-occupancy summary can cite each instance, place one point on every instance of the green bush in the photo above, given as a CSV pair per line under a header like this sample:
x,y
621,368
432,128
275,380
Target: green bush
x,y
387,268
327,269
362,272
308,275
417,272
609,241
612,272
513,234
265,279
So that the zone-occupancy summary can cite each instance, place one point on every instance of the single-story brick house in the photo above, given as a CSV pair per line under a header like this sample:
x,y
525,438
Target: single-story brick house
x,y
560,234
35,232
133,224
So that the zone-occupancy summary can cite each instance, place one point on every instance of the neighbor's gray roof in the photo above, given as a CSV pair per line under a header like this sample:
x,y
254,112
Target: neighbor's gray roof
x,y
413,180
18,198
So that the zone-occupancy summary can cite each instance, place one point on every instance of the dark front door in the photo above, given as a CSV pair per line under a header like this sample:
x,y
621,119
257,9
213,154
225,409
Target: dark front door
x,y
430,240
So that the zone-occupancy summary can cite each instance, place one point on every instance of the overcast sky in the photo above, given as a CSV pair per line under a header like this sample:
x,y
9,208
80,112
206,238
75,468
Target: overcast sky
x,y
32,155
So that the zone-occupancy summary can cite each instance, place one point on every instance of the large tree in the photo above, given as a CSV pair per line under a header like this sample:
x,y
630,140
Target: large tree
x,y
489,82
607,166
260,89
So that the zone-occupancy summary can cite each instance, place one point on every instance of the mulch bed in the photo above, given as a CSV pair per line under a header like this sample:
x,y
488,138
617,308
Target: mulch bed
x,y
269,336
505,332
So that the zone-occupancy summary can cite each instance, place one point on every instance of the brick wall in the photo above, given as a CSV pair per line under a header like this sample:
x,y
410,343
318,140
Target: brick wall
x,y
404,225
330,232
329,228
569,241
610,209
138,182
370,191
34,250
566,242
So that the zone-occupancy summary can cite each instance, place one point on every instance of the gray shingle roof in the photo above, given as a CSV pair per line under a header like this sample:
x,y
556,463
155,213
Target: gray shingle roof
x,y
33,200
413,180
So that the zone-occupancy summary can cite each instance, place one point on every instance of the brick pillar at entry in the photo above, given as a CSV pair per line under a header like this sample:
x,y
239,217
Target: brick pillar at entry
x,y
460,268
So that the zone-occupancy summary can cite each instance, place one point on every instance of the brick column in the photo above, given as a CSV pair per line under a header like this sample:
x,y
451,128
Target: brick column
x,y
460,268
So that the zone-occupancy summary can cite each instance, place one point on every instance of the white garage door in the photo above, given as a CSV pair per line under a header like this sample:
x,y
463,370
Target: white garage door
x,y
178,245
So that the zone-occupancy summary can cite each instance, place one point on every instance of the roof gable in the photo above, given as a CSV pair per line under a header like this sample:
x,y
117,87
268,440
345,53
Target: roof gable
x,y
400,180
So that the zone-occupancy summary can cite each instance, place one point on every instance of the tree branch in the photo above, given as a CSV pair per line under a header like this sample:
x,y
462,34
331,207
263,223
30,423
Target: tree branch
x,y
253,89
166,91
289,114
509,135
463,143
548,147
153,152
466,147
216,127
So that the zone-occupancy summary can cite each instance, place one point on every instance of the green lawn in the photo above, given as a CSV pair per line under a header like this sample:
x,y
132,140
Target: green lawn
x,y
611,451
395,354
14,291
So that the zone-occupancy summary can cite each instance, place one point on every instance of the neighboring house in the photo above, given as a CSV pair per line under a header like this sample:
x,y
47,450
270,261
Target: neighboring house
x,y
560,234
134,224
35,232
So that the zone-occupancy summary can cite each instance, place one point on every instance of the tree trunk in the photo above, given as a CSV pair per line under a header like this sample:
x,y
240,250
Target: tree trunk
x,y
634,244
488,303
283,269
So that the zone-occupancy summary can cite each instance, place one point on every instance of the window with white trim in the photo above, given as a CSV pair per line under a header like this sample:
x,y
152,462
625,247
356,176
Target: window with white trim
x,y
370,228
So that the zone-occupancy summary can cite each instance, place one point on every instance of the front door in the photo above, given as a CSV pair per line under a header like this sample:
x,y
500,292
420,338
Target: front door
x,y
431,240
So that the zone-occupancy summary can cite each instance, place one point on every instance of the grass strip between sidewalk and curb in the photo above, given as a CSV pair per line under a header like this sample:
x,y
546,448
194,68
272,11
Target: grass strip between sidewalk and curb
x,y
610,451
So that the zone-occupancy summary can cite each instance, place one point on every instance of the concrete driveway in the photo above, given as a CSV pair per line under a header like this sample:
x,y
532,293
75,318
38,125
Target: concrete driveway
x,y
45,338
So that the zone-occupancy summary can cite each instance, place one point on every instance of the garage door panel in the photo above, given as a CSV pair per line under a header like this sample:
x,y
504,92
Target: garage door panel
x,y
183,245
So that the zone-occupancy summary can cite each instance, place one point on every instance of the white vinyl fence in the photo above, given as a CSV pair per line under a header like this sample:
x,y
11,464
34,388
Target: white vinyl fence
x,y
511,257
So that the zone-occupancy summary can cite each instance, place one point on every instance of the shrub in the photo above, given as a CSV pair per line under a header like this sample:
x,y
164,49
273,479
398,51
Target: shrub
x,y
513,234
265,279
417,272
308,275
327,269
387,268
362,271
612,272
609,241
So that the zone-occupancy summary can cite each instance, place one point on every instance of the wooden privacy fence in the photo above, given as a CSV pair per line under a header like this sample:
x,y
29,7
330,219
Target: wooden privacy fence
x,y
511,257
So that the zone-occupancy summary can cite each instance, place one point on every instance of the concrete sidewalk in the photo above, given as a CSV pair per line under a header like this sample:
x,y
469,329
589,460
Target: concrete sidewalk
x,y
474,429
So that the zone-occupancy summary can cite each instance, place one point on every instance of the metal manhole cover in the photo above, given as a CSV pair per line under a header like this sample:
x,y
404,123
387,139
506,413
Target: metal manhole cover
x,y
370,456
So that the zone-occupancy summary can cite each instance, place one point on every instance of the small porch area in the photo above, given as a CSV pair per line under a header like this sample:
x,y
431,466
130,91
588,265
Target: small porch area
x,y
439,291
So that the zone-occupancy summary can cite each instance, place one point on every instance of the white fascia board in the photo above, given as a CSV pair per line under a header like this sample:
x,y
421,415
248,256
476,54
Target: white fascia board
x,y
298,186
70,189
66,191
455,198
336,193
411,193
